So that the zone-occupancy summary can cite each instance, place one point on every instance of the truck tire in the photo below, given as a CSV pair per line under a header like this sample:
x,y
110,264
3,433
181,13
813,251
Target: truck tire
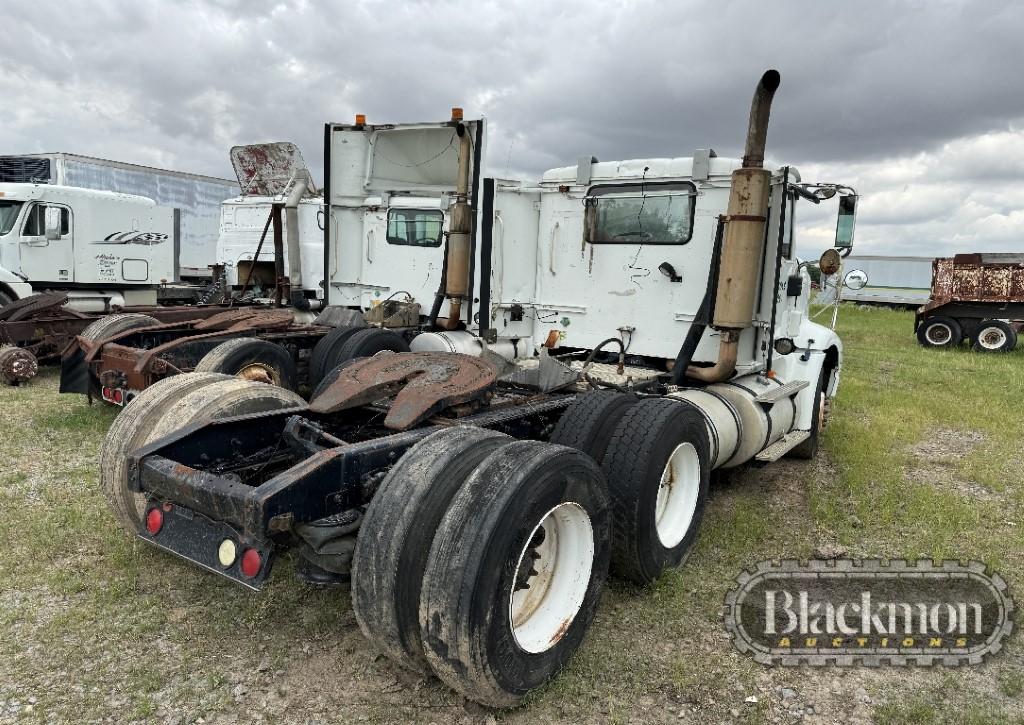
x,y
132,429
249,358
808,449
940,332
515,571
994,336
588,423
112,325
325,353
5,299
657,445
223,399
396,532
330,377
368,342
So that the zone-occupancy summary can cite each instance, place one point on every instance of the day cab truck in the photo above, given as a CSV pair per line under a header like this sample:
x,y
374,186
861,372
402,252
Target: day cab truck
x,y
582,353
101,229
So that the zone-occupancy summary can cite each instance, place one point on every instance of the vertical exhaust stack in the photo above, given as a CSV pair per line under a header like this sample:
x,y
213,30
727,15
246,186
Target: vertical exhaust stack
x,y
291,210
744,235
459,229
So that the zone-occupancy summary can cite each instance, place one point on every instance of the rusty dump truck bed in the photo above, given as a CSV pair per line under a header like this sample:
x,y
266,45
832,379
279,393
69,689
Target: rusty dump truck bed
x,y
984,278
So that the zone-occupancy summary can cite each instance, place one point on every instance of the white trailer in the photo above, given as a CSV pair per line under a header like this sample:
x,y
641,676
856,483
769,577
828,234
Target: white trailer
x,y
196,196
901,281
585,350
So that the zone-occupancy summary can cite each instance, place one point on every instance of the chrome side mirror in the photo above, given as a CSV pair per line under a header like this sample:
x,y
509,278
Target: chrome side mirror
x,y
51,222
856,279
846,220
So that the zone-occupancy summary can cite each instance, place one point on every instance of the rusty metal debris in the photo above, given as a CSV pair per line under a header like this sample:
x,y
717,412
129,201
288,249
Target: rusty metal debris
x,y
17,365
423,383
246,319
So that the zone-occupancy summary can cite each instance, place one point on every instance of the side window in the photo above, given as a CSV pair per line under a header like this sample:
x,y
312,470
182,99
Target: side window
x,y
415,227
35,222
650,213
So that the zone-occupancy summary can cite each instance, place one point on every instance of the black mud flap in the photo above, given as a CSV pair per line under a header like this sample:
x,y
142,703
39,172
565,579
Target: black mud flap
x,y
199,540
74,372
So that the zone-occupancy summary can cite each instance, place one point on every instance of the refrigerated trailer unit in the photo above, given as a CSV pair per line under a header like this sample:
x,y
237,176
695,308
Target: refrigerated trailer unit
x,y
894,281
582,353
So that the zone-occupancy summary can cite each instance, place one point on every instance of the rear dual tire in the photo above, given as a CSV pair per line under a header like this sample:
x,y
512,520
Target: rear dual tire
x,y
994,336
252,359
515,568
940,331
656,456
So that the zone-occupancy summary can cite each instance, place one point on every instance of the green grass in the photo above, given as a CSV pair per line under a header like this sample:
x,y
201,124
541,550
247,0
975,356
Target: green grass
x,y
923,457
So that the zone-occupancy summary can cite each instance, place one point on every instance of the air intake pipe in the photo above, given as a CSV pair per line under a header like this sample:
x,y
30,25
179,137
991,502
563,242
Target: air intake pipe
x,y
459,230
744,235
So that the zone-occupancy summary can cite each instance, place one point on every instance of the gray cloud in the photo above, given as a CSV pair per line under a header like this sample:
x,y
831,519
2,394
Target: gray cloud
x,y
918,102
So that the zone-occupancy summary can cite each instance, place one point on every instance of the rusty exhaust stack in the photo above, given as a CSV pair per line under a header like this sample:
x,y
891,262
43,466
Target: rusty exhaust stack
x,y
457,260
744,234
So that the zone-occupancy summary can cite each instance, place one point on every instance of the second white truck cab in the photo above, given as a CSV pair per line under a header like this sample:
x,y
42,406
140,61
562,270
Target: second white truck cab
x,y
242,222
103,247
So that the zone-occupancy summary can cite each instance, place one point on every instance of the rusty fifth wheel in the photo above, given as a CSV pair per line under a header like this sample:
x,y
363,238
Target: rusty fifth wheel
x,y
423,383
515,571
16,365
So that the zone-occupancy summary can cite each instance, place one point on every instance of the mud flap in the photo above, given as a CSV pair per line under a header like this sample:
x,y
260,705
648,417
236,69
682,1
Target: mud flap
x,y
74,372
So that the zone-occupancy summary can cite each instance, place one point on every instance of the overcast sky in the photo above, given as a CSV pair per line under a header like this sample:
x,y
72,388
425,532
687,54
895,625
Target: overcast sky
x,y
918,104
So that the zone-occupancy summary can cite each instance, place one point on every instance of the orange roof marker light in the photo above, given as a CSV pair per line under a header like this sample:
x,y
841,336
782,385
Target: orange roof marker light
x,y
456,114
360,119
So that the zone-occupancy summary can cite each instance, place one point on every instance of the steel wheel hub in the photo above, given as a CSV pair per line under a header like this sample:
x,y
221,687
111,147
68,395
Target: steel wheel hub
x,y
552,577
259,373
677,495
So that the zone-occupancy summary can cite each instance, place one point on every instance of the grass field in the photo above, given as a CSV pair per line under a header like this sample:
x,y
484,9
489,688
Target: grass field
x,y
923,458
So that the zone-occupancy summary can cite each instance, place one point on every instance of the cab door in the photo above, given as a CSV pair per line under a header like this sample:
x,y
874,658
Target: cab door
x,y
404,249
47,243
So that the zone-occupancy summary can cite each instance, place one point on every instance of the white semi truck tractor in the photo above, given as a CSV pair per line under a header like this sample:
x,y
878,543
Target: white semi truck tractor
x,y
557,369
107,233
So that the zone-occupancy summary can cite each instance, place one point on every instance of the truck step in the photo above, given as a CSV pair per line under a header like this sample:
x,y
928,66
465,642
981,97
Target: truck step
x,y
783,391
782,446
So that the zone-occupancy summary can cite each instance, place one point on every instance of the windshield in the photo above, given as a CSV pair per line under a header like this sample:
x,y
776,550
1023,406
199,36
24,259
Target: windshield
x,y
8,215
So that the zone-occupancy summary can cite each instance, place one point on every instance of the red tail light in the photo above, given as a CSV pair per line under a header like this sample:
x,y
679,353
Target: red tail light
x,y
154,521
106,393
252,562
118,396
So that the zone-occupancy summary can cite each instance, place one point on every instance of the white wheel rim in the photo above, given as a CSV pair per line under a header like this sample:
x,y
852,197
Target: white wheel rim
x,y
540,614
677,495
992,338
939,333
